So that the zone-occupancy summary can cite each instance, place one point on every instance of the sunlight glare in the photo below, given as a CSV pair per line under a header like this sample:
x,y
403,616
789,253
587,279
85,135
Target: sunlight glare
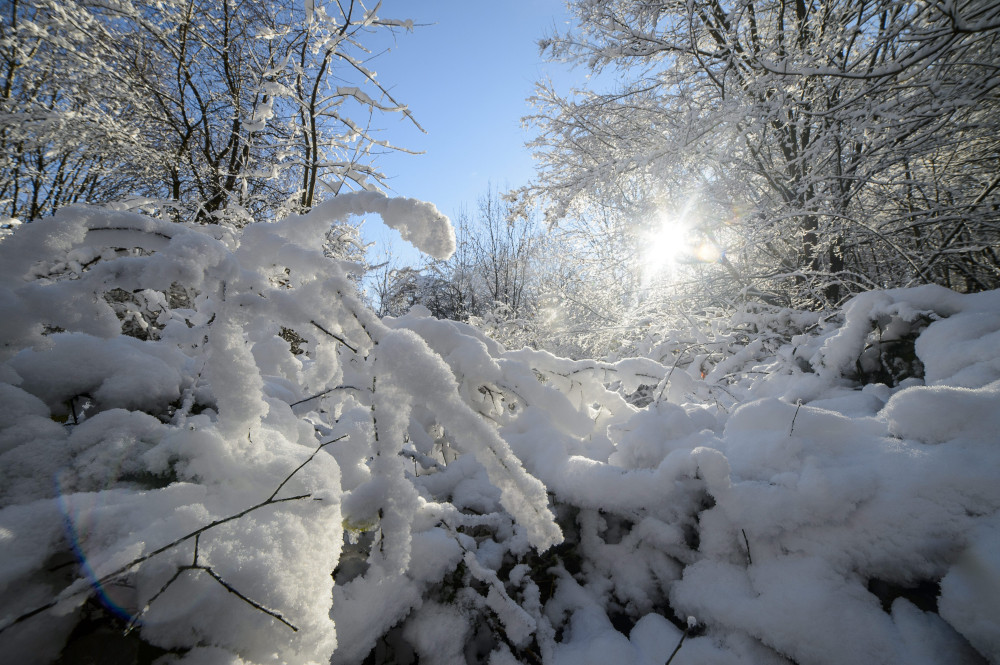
x,y
665,245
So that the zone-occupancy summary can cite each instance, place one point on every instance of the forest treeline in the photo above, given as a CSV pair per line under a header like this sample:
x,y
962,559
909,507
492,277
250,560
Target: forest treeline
x,y
819,149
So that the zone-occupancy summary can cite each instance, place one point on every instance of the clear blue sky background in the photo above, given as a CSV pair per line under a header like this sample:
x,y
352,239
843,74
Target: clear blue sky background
x,y
465,72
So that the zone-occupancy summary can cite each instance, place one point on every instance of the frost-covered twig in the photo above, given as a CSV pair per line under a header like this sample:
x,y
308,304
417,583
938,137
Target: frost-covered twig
x,y
666,379
418,457
506,609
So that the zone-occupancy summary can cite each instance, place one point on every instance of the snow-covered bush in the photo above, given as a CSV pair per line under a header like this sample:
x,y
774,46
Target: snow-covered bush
x,y
212,451
178,479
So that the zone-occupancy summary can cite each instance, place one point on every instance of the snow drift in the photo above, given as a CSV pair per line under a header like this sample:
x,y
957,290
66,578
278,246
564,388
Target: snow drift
x,y
212,451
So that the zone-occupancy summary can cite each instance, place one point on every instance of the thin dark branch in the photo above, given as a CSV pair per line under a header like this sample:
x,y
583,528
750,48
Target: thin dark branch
x,y
134,620
325,392
336,337
677,648
255,605
798,406
299,467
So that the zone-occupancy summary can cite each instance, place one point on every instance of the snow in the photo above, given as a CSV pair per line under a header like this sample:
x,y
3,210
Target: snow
x,y
123,373
970,591
418,222
410,486
938,414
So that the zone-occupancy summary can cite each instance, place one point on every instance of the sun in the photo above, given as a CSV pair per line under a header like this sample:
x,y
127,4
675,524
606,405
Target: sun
x,y
665,244
675,241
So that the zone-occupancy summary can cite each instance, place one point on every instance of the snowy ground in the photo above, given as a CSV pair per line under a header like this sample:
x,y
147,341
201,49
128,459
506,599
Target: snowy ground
x,y
212,452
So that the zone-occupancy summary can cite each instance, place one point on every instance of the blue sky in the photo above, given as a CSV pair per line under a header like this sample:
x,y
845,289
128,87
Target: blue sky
x,y
465,72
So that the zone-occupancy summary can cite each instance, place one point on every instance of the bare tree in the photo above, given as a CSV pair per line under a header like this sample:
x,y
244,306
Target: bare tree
x,y
503,243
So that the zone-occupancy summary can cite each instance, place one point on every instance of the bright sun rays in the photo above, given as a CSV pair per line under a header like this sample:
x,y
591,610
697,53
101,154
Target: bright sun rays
x,y
674,241
665,245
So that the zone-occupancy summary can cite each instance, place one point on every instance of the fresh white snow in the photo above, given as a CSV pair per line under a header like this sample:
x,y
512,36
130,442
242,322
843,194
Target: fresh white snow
x,y
262,471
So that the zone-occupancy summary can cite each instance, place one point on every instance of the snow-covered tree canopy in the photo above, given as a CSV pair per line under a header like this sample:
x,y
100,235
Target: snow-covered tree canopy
x,y
823,148
197,109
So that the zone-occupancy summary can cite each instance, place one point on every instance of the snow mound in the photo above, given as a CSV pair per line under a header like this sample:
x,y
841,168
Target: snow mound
x,y
212,451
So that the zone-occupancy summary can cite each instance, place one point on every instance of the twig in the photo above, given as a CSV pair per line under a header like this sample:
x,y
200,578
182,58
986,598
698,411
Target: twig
x,y
239,595
745,540
798,405
325,392
315,452
678,647
336,337
666,380
349,303
133,622
424,460
374,420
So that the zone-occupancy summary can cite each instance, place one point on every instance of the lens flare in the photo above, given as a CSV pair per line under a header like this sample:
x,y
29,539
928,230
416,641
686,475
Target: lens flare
x,y
75,519
708,252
